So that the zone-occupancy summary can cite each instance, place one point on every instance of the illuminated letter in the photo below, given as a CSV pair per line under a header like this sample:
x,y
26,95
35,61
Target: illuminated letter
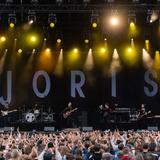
x,y
35,87
77,86
153,84
9,90
114,84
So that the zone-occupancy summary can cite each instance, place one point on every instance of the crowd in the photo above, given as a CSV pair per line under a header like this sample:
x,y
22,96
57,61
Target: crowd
x,y
77,145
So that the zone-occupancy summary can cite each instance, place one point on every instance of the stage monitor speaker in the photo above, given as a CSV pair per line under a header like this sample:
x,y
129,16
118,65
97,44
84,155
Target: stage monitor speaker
x,y
49,129
86,129
152,128
8,129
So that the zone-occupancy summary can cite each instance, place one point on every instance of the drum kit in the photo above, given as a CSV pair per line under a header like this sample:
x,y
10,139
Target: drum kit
x,y
37,114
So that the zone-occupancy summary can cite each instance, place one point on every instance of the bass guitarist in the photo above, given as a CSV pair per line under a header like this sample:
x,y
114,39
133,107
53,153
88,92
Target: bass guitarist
x,y
69,117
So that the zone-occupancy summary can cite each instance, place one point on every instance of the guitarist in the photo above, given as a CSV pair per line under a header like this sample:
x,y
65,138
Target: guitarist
x,y
69,115
142,115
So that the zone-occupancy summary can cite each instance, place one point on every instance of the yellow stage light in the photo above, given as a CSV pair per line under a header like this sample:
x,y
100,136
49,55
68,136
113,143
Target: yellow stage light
x,y
103,50
59,40
146,41
48,50
11,25
130,56
132,29
75,50
94,25
3,39
52,25
129,50
33,38
86,41
45,39
19,51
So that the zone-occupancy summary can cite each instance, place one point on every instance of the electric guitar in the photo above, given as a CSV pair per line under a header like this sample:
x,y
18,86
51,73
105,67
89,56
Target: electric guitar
x,y
68,113
5,113
145,114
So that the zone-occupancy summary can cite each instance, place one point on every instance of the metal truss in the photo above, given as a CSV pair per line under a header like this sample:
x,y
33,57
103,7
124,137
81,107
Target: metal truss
x,y
75,8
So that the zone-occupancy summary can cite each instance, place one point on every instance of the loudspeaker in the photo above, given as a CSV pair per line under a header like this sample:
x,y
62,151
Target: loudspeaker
x,y
49,129
152,128
87,129
8,129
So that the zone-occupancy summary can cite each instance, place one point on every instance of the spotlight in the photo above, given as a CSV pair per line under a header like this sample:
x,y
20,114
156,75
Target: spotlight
x,y
114,21
86,41
11,25
45,39
103,50
94,25
132,17
75,50
94,20
33,38
3,39
129,50
31,16
52,20
52,25
31,21
19,51
152,16
59,40
48,50
12,20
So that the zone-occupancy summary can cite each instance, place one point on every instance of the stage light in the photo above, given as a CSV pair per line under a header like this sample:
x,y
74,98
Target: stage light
x,y
114,21
86,41
94,25
157,60
147,44
152,16
45,39
52,20
103,50
11,25
75,50
48,50
94,20
19,51
31,21
105,39
59,40
31,16
129,50
33,38
130,56
52,25
3,39
12,20
133,31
